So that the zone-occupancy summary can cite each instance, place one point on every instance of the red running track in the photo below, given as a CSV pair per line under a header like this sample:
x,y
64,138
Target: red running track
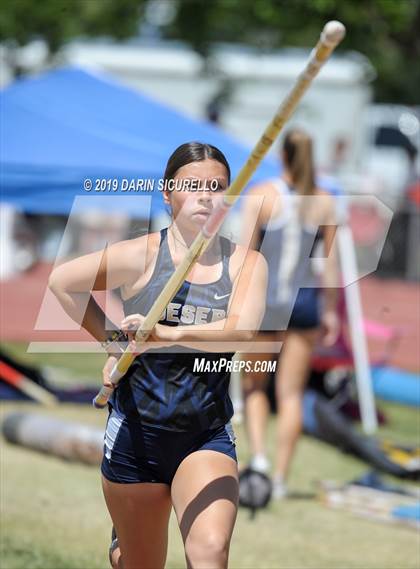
x,y
389,302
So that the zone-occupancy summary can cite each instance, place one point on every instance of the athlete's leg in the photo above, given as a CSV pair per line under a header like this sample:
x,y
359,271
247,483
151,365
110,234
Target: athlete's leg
x,y
256,402
205,498
140,514
291,378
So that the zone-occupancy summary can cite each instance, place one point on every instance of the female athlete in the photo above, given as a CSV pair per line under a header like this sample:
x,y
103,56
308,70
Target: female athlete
x,y
168,440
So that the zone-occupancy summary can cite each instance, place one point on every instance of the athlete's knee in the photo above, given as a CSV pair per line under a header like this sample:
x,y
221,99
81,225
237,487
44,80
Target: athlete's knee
x,y
208,550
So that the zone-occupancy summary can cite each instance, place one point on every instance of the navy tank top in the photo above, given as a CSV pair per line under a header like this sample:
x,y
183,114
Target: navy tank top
x,y
161,388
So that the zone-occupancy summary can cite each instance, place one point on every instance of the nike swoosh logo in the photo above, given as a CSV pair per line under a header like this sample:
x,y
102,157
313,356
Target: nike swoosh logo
x,y
217,297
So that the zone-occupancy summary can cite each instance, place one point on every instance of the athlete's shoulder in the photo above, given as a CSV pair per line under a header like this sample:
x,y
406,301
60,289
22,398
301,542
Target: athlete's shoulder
x,y
253,256
135,251
243,256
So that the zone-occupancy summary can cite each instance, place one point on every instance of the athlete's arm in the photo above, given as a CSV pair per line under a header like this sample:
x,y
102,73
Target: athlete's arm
x,y
330,275
245,313
73,282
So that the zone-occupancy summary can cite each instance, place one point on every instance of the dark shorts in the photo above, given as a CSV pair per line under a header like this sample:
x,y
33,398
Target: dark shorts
x,y
134,452
305,313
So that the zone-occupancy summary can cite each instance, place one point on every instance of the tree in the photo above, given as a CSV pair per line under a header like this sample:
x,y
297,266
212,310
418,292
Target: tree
x,y
386,31
57,21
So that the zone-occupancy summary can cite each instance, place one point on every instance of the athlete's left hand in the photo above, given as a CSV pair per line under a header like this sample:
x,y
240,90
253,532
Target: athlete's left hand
x,y
130,324
330,327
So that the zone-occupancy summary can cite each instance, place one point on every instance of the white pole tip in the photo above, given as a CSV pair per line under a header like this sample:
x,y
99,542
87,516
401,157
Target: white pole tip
x,y
334,31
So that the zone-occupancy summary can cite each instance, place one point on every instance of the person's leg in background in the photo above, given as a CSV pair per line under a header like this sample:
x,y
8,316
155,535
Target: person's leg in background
x,y
291,378
257,406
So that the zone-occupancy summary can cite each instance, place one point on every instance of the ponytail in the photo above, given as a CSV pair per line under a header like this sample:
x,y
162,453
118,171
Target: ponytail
x,y
298,155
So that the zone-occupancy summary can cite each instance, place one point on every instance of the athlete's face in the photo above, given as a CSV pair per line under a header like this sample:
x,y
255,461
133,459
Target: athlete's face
x,y
197,188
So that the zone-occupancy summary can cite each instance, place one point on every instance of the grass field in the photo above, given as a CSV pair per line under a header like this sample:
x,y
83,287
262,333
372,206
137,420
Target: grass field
x,y
53,514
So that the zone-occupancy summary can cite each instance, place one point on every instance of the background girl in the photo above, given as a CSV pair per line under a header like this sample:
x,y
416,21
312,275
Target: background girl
x,y
285,227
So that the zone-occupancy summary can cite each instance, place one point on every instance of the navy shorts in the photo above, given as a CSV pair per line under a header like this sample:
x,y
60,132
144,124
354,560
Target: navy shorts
x,y
134,452
305,313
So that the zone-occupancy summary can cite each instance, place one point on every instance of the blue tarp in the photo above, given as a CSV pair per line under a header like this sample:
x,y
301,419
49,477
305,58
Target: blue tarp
x,y
67,125
393,384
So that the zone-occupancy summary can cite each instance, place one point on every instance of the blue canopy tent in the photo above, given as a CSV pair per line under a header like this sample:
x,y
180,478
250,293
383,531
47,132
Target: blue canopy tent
x,y
67,125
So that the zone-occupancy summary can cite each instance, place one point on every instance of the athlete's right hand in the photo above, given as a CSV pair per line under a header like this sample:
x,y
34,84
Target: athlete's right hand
x,y
106,371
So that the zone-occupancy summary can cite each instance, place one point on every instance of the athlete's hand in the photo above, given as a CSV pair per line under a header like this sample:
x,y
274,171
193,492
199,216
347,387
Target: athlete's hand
x,y
106,372
330,327
130,324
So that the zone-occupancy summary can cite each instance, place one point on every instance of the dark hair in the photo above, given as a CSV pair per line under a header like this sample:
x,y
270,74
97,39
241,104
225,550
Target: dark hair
x,y
193,152
297,147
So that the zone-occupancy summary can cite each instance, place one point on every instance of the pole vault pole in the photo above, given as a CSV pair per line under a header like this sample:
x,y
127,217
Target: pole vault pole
x,y
331,36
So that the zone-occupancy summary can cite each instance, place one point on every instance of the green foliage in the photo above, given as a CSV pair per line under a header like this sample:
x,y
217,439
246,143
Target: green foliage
x,y
386,31
57,21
